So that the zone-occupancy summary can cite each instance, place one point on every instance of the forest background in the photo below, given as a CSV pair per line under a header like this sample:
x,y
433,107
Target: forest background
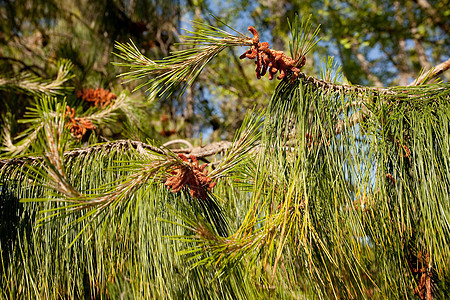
x,y
377,43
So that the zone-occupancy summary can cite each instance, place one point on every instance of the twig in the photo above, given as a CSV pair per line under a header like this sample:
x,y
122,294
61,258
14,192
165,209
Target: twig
x,y
180,141
329,87
199,152
434,72
211,149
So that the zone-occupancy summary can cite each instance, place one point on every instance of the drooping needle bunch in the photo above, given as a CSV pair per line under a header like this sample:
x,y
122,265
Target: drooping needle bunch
x,y
272,60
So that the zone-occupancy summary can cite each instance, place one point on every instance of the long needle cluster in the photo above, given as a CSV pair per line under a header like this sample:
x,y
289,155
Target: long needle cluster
x,y
182,67
34,85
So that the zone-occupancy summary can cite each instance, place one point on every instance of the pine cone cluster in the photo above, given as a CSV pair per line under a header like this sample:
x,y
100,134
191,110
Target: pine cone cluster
x,y
390,178
192,176
421,269
402,149
271,60
97,97
165,123
78,126
167,133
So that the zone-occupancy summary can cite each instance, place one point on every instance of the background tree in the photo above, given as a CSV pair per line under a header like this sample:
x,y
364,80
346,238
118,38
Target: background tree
x,y
37,34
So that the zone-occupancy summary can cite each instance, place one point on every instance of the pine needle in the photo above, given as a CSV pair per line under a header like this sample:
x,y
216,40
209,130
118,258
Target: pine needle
x,y
180,69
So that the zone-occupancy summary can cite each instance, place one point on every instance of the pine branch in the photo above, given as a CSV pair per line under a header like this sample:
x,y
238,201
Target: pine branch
x,y
330,87
199,152
29,135
52,142
178,172
77,125
434,72
179,141
34,85
182,67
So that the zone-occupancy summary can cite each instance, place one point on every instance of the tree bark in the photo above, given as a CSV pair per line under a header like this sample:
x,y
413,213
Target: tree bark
x,y
435,17
365,65
436,71
420,50
402,55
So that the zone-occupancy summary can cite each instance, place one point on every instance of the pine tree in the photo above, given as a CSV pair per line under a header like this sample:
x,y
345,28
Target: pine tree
x,y
333,191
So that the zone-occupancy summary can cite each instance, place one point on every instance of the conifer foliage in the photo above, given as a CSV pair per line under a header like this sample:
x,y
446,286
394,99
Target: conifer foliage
x,y
333,191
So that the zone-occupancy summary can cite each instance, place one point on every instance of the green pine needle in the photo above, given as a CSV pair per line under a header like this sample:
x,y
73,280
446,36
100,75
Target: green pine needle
x,y
34,85
179,70
302,39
